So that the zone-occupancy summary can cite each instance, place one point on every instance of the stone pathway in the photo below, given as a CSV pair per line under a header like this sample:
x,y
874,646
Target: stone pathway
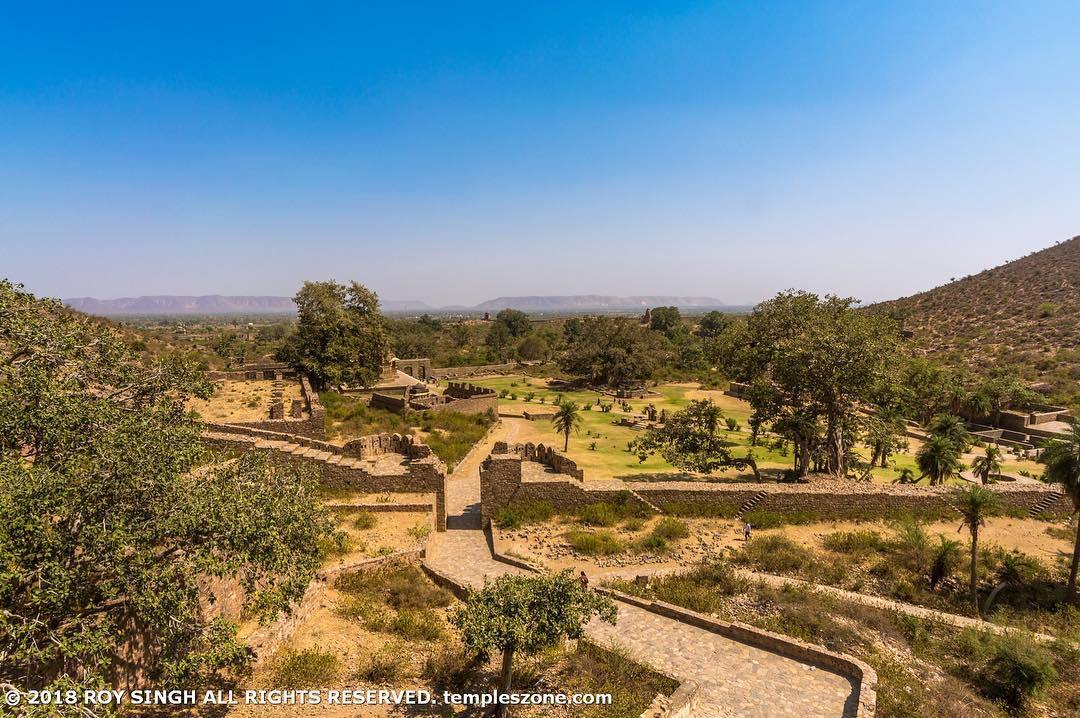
x,y
734,679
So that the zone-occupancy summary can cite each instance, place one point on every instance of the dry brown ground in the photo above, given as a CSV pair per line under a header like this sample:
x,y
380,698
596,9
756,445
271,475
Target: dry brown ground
x,y
711,537
243,400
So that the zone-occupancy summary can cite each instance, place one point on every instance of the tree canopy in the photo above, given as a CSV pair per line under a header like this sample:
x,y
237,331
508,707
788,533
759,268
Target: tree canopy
x,y
813,362
340,336
110,515
690,440
612,351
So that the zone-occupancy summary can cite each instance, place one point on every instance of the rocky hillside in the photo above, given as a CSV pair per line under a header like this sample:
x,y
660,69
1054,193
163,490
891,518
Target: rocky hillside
x,y
1025,313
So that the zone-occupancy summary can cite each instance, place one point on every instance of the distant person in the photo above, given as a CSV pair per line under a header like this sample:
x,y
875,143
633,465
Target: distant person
x,y
747,529
584,581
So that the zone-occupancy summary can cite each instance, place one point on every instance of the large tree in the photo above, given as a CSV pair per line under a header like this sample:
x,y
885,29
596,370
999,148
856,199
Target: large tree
x,y
612,351
567,420
528,614
939,459
340,337
690,440
817,358
111,515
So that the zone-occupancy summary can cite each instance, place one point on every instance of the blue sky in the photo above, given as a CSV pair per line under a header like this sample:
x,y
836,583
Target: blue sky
x,y
454,152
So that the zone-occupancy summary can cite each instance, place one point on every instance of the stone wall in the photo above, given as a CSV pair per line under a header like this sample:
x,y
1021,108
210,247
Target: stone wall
x,y
460,372
542,455
466,399
506,478
313,425
422,472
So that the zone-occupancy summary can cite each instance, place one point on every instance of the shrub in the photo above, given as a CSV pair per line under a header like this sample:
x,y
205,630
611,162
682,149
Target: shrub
x,y
420,531
776,554
1011,669
385,666
591,543
853,541
309,668
528,512
335,545
399,586
365,520
633,524
422,625
652,542
671,529
449,666
599,515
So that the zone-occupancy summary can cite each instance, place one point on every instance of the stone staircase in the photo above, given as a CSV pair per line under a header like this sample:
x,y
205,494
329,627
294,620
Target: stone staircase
x,y
645,501
1045,503
751,503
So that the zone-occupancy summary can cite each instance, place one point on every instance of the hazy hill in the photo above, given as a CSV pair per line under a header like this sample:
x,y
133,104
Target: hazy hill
x,y
208,304
1025,313
594,302
218,304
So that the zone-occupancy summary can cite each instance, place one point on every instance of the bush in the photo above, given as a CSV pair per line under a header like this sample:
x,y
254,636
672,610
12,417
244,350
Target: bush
x,y
777,554
398,586
365,520
600,543
529,512
337,544
853,541
422,625
309,668
671,529
651,543
420,531
633,524
1011,669
599,515
450,666
385,667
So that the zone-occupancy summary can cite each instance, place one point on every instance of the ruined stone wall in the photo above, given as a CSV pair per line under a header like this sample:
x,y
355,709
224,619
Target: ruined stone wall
x,y
313,425
459,372
543,455
503,482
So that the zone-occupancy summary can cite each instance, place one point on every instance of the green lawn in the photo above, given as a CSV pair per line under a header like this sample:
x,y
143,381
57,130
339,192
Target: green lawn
x,y
610,457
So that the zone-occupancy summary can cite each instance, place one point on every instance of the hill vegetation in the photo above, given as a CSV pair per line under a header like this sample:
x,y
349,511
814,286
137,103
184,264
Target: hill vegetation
x,y
1024,314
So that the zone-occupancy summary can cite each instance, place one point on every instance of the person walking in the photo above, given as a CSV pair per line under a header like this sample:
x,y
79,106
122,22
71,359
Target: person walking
x,y
584,581
747,529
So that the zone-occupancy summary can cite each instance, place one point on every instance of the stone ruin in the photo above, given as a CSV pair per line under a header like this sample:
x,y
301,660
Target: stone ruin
x,y
541,454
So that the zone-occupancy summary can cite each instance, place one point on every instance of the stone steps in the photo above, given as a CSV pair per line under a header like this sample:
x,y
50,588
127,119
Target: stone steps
x,y
1044,504
751,503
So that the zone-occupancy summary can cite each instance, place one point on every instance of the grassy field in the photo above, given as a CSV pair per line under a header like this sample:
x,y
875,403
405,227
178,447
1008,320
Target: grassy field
x,y
601,446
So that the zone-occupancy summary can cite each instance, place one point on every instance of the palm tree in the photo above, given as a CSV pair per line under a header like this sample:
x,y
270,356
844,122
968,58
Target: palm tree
x,y
988,464
938,458
1014,570
907,476
1062,459
566,420
975,503
951,428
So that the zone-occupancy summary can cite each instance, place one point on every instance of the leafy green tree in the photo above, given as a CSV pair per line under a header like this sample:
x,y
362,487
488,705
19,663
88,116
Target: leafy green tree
x,y
666,320
527,614
613,351
713,324
1006,390
340,336
987,465
227,345
884,432
1062,460
690,441
975,503
816,357
533,348
939,460
566,420
110,515
516,322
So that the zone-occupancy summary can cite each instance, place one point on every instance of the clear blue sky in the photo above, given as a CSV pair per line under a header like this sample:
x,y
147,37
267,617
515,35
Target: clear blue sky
x,y
453,152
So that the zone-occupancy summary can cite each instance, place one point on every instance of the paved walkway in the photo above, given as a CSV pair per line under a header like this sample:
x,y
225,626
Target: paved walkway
x,y
734,679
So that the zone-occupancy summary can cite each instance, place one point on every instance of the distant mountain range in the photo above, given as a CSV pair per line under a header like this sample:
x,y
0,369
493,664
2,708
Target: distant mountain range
x,y
219,304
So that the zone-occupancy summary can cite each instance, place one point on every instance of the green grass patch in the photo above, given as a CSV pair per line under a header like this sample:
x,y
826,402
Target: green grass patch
x,y
309,668
595,543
